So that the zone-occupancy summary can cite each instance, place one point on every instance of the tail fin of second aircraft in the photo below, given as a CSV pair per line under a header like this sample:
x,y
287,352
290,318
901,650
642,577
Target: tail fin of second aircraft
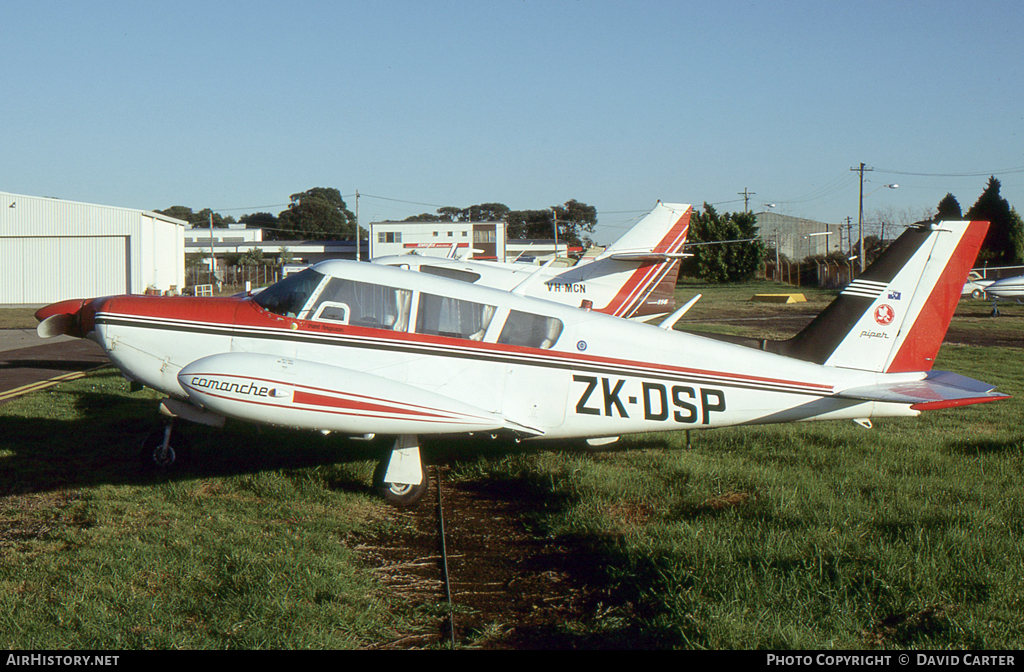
x,y
893,317
638,272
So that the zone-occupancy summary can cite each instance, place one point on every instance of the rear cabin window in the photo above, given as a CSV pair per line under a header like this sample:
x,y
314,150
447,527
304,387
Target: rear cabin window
x,y
529,330
451,273
445,316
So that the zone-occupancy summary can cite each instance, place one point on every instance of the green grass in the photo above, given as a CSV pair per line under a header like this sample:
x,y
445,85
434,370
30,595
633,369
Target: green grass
x,y
248,549
18,318
816,535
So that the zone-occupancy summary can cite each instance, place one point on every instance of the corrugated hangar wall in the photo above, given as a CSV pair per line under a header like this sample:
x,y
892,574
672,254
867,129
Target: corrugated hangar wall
x,y
51,250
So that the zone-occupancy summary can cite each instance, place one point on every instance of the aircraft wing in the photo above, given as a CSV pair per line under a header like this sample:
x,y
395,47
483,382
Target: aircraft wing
x,y
310,395
938,389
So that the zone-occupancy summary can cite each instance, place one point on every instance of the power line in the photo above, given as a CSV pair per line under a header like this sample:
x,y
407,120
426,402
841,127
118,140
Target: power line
x,y
1004,171
251,207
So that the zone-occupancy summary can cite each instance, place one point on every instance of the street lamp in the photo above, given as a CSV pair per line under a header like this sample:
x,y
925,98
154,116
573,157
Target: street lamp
x,y
860,214
820,233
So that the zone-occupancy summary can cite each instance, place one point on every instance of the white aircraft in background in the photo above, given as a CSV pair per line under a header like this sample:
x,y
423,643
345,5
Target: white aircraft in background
x,y
634,278
975,285
367,349
1007,289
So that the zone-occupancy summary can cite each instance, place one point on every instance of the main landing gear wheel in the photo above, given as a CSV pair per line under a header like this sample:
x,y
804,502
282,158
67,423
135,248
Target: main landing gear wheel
x,y
395,477
397,494
164,448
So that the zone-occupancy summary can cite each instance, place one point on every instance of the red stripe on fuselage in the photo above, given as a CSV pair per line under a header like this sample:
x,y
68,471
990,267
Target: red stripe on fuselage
x,y
310,399
229,313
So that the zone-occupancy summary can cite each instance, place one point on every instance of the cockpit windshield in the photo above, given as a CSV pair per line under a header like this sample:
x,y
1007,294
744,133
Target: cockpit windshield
x,y
288,296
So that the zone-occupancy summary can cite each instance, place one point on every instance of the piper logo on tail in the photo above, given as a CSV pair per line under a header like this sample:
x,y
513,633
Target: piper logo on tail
x,y
884,314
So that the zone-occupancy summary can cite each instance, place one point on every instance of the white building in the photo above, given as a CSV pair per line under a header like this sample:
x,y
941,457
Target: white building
x,y
51,250
481,240
798,238
232,234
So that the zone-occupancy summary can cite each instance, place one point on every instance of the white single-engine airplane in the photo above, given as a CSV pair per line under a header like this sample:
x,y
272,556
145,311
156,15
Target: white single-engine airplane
x,y
1007,289
369,349
634,278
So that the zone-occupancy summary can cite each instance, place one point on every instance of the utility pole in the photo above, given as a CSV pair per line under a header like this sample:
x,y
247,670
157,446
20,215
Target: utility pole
x,y
358,243
213,258
860,212
555,213
746,198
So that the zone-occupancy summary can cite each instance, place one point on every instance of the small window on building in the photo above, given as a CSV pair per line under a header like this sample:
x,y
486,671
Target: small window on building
x,y
529,330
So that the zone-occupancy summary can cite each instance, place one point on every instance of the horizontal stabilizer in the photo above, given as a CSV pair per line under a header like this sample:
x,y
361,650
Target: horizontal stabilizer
x,y
647,255
938,389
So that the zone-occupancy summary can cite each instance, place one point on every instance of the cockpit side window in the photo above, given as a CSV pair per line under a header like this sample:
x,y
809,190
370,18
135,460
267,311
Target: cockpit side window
x,y
362,304
445,316
529,330
288,296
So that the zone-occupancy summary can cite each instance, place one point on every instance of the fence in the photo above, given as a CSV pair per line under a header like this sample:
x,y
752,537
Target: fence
x,y
828,274
233,278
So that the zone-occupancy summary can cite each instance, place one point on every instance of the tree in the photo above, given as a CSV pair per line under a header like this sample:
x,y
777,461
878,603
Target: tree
x,y
1002,244
725,261
197,219
424,217
530,224
317,214
949,209
575,221
483,212
259,220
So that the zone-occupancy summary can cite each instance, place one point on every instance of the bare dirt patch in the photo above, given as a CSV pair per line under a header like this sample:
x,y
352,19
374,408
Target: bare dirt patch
x,y
511,587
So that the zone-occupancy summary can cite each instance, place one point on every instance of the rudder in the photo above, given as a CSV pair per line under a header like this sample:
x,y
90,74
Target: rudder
x,y
893,317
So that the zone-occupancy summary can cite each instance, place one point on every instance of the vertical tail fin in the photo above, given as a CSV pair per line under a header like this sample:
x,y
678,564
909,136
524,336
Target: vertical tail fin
x,y
893,317
638,272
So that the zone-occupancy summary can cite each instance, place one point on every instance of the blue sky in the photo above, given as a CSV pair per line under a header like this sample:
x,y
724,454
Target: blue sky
x,y
237,105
